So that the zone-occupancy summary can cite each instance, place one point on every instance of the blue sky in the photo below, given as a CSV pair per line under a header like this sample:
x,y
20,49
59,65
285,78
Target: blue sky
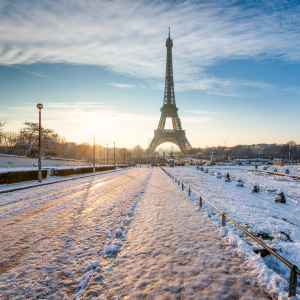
x,y
100,65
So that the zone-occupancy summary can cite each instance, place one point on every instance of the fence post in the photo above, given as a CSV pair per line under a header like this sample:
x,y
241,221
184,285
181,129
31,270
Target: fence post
x,y
182,187
293,282
200,202
223,220
189,191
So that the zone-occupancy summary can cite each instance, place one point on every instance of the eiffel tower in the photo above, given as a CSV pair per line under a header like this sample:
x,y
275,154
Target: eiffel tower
x,y
169,110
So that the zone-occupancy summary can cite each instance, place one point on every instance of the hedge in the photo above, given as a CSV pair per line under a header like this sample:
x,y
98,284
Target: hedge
x,y
122,166
19,176
67,172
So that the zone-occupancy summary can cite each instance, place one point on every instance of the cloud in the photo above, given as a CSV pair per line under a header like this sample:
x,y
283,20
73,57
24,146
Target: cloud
x,y
127,37
202,112
123,86
32,72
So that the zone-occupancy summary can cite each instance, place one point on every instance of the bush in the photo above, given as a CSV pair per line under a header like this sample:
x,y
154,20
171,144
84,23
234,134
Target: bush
x,y
19,176
63,172
122,166
67,172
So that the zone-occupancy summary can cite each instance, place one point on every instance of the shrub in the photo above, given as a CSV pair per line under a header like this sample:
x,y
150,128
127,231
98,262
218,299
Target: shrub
x,y
70,171
19,176
63,172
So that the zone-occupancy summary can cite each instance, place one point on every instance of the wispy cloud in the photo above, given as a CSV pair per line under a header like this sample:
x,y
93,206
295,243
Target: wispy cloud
x,y
128,36
32,72
123,85
203,112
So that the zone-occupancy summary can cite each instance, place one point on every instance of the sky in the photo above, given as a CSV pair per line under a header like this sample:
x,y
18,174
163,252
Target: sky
x,y
99,66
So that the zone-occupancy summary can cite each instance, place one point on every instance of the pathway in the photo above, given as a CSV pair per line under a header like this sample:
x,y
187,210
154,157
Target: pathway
x,y
172,251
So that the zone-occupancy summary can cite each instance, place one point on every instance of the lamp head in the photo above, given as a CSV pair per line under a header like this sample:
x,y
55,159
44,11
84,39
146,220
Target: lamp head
x,y
40,106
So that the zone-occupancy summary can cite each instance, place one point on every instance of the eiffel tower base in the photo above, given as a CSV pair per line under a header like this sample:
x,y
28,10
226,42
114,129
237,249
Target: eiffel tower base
x,y
176,137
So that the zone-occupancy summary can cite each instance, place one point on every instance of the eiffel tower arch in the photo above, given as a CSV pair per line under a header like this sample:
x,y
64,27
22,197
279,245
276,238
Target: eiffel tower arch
x,y
169,110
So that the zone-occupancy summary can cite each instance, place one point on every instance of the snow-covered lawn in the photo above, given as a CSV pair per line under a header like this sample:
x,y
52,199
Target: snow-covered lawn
x,y
277,224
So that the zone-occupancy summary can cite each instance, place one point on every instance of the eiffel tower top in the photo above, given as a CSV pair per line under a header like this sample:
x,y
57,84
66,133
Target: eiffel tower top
x,y
169,95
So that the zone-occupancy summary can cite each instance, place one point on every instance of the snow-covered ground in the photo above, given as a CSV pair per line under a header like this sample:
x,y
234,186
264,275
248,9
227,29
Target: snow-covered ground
x,y
53,237
173,251
294,170
277,224
127,235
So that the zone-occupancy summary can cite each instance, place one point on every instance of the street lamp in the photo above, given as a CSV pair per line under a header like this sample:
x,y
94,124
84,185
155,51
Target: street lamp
x,y
124,157
114,155
130,159
148,155
107,153
40,106
94,168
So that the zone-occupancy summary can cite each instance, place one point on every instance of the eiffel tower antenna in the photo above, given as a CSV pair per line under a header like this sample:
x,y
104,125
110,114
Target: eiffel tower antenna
x,y
169,110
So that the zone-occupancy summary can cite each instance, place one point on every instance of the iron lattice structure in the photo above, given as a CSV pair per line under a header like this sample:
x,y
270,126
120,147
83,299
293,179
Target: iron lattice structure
x,y
169,110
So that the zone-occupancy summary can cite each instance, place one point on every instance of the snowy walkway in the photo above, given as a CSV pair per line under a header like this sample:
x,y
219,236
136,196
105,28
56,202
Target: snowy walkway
x,y
53,237
171,251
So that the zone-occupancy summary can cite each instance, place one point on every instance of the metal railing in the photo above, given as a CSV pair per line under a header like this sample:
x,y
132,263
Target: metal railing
x,y
294,270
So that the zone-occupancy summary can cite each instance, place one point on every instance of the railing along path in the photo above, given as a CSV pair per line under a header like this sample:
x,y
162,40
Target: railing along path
x,y
294,269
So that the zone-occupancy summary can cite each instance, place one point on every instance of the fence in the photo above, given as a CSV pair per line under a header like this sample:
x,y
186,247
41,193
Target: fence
x,y
294,269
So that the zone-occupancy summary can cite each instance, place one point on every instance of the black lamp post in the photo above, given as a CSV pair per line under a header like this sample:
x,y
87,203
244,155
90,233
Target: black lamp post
x,y
114,155
94,167
124,157
107,153
40,106
130,159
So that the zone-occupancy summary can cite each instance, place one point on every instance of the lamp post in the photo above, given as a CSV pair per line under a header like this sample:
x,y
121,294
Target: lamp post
x,y
124,157
114,155
107,153
148,155
40,106
130,159
94,167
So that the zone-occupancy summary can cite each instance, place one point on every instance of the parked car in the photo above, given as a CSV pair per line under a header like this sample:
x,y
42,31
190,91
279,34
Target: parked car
x,y
154,165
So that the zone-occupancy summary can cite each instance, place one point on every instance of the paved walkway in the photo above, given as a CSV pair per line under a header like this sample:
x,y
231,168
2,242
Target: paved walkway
x,y
172,251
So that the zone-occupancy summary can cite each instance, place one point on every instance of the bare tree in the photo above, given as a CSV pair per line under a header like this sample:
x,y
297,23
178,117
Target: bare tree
x,y
27,142
2,123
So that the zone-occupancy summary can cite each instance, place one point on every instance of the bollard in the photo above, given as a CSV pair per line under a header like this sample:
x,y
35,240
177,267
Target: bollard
x,y
200,202
189,192
293,282
223,220
182,187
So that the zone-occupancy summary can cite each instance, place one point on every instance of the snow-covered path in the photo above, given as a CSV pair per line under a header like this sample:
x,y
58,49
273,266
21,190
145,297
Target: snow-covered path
x,y
172,251
53,237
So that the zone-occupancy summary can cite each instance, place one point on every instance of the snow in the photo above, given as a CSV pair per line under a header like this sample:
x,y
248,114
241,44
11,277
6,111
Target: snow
x,y
134,234
173,251
58,233
257,212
